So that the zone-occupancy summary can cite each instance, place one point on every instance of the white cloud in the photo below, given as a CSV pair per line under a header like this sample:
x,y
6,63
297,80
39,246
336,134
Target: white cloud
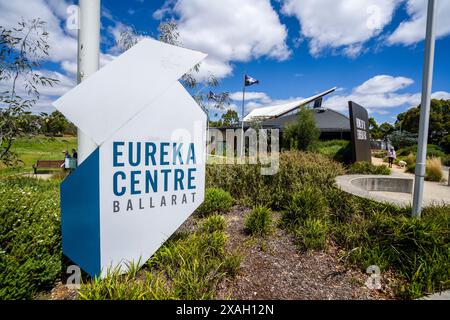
x,y
63,46
379,94
229,31
413,30
441,95
48,94
260,96
343,24
214,67
69,67
382,84
166,9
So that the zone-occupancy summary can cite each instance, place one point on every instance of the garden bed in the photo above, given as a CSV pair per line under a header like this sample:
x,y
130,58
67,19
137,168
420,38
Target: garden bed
x,y
320,250
274,268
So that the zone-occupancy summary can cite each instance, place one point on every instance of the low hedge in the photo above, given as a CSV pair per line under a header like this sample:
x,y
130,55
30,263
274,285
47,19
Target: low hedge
x,y
369,169
216,201
30,238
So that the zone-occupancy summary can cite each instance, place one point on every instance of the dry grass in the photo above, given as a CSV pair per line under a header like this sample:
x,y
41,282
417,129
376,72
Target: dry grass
x,y
434,170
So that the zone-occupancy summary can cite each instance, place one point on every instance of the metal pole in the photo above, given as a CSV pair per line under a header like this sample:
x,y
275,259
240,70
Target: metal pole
x,y
243,115
208,142
88,59
425,110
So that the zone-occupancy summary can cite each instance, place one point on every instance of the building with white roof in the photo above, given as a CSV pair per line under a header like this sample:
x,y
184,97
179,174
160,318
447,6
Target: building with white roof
x,y
332,124
278,111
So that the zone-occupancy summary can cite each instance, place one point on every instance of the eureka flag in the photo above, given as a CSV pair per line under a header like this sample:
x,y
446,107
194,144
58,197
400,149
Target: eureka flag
x,y
249,81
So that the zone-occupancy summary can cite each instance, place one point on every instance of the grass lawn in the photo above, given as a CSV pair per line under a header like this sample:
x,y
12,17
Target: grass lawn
x,y
30,150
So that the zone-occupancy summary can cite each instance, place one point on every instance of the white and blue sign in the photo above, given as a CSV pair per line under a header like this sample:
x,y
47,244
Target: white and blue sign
x,y
147,175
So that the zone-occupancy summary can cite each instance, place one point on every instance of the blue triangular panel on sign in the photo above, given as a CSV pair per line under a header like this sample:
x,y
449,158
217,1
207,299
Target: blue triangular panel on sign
x,y
80,215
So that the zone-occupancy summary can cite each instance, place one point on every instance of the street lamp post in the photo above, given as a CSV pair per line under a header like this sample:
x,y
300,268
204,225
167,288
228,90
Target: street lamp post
x,y
88,59
425,110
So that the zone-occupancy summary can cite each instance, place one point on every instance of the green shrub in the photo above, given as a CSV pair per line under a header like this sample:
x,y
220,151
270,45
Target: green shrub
x,y
368,168
402,139
126,287
418,251
332,143
231,264
259,221
332,147
381,154
410,163
445,143
344,154
213,223
296,169
216,201
434,170
303,133
307,203
432,151
30,240
446,161
410,159
342,207
312,234
188,266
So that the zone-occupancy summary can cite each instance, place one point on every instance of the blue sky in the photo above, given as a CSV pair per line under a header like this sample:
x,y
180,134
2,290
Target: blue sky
x,y
372,50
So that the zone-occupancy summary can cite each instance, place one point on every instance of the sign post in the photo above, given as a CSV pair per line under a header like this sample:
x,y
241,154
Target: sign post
x,y
147,175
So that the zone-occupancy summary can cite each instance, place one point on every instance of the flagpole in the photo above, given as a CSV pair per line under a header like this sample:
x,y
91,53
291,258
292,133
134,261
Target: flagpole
x,y
243,115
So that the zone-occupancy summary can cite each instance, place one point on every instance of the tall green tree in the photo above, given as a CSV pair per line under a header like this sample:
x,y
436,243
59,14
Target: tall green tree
x,y
439,121
23,49
386,129
56,124
230,118
302,134
374,129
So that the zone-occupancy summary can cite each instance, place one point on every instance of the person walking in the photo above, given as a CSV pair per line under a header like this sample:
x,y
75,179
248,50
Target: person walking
x,y
392,155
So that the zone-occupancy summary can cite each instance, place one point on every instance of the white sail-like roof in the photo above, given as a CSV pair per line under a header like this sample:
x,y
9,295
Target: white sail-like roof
x,y
280,110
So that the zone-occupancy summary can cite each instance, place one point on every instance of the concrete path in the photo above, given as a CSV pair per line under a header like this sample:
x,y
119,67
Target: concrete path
x,y
434,192
438,296
43,176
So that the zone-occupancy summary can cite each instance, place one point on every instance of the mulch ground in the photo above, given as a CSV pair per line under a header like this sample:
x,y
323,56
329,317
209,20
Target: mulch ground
x,y
275,269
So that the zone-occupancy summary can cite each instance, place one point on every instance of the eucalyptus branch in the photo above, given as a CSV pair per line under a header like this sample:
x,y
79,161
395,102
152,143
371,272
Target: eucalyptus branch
x,y
22,52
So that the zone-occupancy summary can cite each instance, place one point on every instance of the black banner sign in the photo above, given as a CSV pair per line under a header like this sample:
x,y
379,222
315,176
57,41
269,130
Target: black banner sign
x,y
359,122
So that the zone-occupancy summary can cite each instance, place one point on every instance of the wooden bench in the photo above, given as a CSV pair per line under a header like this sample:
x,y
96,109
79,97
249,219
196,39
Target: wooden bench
x,y
48,164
